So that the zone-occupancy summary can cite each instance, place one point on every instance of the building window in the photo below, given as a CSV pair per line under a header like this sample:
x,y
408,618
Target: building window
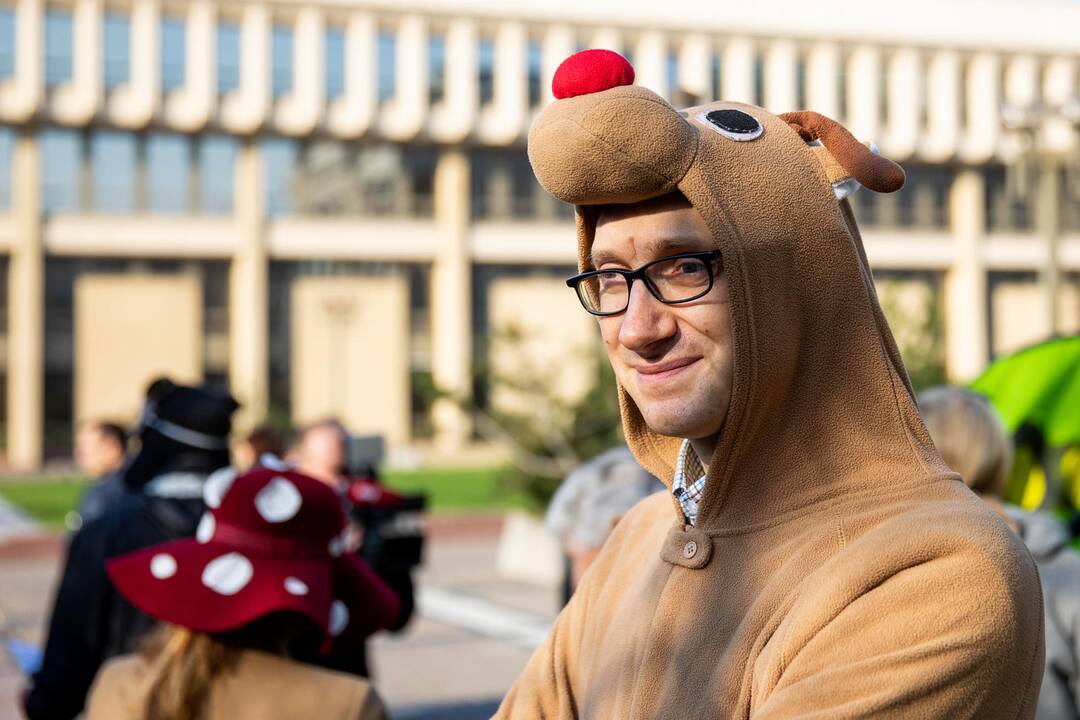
x,y
487,70
504,188
173,35
759,79
387,65
436,68
335,63
228,57
7,42
535,60
61,165
168,169
117,49
57,47
671,76
1071,202
113,164
1009,199
714,66
217,161
376,179
279,166
7,152
282,60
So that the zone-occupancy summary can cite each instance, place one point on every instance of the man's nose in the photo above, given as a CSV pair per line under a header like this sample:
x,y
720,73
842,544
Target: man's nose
x,y
646,320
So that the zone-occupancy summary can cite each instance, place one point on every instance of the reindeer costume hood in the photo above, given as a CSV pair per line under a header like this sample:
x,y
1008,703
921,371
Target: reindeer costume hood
x,y
837,567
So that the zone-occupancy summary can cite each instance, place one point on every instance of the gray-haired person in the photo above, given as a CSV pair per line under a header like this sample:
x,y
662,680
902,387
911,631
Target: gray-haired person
x,y
589,503
972,441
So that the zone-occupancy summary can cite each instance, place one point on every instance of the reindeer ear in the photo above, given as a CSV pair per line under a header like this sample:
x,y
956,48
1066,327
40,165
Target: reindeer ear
x,y
848,163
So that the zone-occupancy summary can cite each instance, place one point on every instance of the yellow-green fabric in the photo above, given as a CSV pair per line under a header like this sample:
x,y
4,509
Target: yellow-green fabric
x,y
838,569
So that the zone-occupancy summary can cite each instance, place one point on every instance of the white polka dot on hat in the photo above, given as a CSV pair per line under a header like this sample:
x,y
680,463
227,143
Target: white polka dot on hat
x,y
339,617
217,485
207,525
163,566
295,586
228,574
278,501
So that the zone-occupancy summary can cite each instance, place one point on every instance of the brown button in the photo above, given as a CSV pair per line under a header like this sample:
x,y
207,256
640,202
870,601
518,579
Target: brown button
x,y
689,550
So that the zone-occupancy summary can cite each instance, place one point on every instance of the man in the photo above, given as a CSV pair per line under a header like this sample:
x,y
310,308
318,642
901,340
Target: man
x,y
589,504
100,452
184,439
321,451
815,557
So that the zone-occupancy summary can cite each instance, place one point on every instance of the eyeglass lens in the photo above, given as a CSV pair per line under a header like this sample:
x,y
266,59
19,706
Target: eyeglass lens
x,y
672,280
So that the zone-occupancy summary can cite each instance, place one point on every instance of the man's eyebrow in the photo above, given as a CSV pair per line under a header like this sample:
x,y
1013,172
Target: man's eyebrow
x,y
600,257
655,248
671,246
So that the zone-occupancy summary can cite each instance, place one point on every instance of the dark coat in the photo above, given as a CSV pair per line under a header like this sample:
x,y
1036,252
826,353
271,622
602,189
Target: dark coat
x,y
91,622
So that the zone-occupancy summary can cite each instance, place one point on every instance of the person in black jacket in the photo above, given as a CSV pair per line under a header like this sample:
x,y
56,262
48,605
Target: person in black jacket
x,y
184,441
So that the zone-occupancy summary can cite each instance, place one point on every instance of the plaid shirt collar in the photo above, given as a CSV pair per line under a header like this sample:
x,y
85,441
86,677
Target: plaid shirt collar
x,y
689,483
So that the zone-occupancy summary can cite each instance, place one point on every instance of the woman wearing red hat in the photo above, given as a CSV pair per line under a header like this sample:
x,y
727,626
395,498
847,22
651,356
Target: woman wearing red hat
x,y
265,574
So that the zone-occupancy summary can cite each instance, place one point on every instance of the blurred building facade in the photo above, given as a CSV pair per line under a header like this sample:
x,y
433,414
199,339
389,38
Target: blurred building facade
x,y
327,205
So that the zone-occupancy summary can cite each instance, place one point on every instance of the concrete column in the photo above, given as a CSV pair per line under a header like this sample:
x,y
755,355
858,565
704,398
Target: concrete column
x,y
822,79
943,95
737,70
1048,202
22,95
966,323
650,63
249,360
864,92
781,76
26,311
451,316
903,103
454,117
983,107
695,68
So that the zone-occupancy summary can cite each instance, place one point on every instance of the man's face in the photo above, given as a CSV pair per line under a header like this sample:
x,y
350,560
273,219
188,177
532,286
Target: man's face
x,y
675,361
322,453
96,453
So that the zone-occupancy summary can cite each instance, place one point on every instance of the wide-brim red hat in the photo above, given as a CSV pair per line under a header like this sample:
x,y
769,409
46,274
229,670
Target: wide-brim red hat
x,y
271,541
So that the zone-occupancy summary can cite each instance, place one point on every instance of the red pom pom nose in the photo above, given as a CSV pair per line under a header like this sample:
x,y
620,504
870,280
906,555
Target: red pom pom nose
x,y
591,71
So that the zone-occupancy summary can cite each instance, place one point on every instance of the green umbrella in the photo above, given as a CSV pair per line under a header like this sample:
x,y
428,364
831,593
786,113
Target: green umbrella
x,y
1039,385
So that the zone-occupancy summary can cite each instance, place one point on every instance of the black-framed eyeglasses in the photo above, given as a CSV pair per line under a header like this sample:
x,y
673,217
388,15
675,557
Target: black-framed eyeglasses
x,y
671,280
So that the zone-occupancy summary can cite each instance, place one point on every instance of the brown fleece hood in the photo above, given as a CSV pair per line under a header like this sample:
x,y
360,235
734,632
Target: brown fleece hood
x,y
820,402
837,568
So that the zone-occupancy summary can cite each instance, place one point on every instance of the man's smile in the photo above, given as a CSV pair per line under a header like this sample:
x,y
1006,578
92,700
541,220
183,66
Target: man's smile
x,y
660,373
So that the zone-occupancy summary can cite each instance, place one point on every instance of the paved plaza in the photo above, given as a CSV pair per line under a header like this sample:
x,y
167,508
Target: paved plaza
x,y
472,634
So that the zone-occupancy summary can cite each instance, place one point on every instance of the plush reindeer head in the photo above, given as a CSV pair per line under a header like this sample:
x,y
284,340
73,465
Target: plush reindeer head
x,y
806,325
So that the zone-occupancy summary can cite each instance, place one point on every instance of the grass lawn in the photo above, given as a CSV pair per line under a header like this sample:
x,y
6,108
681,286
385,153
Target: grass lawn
x,y
46,499
468,490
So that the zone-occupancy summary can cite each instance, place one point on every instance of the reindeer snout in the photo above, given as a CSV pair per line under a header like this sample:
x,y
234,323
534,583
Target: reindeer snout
x,y
619,146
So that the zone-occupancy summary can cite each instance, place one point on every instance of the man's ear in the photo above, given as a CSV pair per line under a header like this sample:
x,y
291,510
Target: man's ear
x,y
848,163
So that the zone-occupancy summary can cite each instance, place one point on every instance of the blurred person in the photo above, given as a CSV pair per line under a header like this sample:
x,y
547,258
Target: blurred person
x,y
264,575
101,453
261,442
815,557
591,501
183,442
320,451
972,440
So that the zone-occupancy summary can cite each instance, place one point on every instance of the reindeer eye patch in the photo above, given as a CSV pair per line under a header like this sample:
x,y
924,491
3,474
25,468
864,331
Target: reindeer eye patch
x,y
732,124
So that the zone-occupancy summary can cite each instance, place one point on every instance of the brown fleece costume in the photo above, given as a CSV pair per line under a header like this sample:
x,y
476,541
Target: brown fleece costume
x,y
838,569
